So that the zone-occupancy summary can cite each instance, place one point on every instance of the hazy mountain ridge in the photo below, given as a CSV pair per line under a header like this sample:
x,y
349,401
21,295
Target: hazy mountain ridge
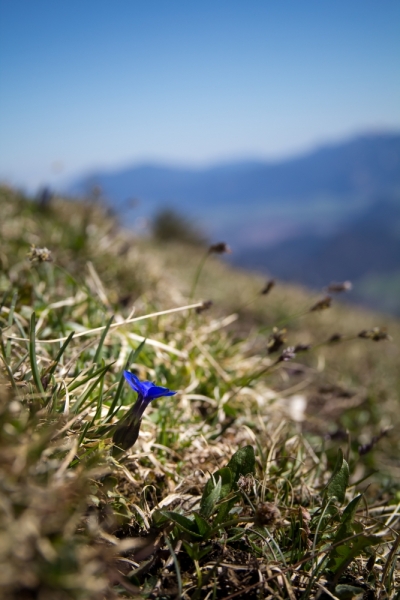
x,y
367,164
330,214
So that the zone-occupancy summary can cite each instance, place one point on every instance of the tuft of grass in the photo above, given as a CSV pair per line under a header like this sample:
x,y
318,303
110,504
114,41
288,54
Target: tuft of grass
x,y
253,481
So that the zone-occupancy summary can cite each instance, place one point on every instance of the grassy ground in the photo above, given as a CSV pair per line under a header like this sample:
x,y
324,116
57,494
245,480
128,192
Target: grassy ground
x,y
261,478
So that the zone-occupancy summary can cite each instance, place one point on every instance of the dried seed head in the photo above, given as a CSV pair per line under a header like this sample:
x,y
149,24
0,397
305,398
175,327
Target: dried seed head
x,y
335,337
245,483
287,354
39,255
376,334
338,287
276,340
322,304
219,248
305,531
365,448
205,306
267,514
268,287
301,348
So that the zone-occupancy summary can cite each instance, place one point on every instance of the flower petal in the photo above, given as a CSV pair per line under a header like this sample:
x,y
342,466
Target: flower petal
x,y
146,389
157,391
135,383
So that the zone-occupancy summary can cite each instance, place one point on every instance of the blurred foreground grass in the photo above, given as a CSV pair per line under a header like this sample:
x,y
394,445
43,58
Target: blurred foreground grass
x,y
237,486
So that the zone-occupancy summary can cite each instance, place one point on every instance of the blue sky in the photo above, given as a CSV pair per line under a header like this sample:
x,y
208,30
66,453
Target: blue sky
x,y
101,83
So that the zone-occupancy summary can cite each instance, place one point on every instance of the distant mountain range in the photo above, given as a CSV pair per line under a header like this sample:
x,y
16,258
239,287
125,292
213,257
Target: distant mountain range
x,y
366,250
333,213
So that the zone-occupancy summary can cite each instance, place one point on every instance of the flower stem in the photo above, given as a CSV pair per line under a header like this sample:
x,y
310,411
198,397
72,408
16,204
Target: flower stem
x,y
197,275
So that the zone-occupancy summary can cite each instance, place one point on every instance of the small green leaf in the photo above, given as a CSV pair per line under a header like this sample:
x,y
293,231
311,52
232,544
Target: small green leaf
x,y
194,551
159,519
202,525
229,410
203,551
347,526
179,519
346,553
182,522
337,485
224,509
242,462
209,500
237,533
225,475
346,530
191,550
348,592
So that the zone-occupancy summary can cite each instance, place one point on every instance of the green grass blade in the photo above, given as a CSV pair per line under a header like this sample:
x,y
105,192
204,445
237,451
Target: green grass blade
x,y
10,322
97,415
78,383
4,298
83,433
103,337
6,365
60,353
79,403
176,564
20,362
32,355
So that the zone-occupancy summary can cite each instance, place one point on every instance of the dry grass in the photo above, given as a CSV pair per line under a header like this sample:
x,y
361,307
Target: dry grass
x,y
183,513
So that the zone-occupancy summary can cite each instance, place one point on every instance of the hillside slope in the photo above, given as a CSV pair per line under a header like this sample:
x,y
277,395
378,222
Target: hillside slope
x,y
165,271
233,464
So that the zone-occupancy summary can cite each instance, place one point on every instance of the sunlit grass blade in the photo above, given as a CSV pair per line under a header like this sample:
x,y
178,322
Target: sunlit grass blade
x,y
59,354
20,362
101,342
83,433
97,414
79,404
32,355
79,382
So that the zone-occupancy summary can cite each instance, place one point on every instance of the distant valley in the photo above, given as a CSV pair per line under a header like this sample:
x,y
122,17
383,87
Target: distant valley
x,y
330,214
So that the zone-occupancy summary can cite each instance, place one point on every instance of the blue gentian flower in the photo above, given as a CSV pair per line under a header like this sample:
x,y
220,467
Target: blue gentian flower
x,y
127,430
148,390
